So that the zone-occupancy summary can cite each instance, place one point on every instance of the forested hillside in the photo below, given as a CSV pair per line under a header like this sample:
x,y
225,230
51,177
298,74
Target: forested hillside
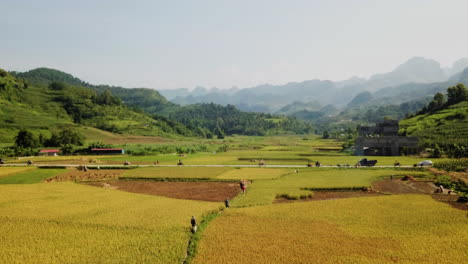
x,y
219,120
204,120
443,123
43,107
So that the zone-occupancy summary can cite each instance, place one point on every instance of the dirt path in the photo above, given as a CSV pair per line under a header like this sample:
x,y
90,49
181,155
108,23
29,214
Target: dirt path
x,y
204,191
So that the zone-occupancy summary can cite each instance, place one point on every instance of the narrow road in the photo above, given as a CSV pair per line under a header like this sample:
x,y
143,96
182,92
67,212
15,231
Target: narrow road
x,y
201,165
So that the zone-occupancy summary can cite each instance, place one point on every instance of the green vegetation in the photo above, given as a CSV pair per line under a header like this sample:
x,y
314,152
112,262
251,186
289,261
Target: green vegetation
x,y
31,176
452,165
442,125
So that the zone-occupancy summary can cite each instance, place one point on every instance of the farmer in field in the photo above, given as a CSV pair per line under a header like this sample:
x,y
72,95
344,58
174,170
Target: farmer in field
x,y
242,186
193,222
317,163
226,202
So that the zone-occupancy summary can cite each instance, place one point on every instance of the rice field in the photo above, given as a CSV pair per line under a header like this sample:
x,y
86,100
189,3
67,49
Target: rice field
x,y
7,171
254,174
176,172
30,175
295,185
222,173
380,229
65,222
72,223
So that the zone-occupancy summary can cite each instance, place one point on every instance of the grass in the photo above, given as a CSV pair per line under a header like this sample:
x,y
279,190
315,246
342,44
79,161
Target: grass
x,y
31,176
71,223
296,185
382,229
7,171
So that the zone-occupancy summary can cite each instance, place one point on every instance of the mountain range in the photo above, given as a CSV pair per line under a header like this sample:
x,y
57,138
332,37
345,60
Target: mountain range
x,y
415,78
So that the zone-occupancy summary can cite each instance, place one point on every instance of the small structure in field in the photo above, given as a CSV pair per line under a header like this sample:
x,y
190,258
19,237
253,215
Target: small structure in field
x,y
49,152
107,151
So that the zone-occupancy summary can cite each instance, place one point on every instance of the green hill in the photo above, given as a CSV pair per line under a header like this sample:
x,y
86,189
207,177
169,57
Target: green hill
x,y
442,123
42,106
203,119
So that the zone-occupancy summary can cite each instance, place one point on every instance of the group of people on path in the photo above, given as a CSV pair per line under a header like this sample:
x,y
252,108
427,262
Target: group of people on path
x,y
193,220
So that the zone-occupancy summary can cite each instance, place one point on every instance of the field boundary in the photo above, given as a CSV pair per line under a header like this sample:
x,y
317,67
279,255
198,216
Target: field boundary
x,y
192,246
176,179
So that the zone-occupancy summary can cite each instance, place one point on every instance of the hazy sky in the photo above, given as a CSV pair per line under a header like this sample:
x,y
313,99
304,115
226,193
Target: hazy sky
x,y
175,43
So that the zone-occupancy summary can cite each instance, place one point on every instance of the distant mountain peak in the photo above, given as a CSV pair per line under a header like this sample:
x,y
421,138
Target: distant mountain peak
x,y
418,64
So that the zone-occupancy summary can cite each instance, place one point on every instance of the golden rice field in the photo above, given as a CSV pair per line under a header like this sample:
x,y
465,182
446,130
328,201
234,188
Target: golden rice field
x,y
254,173
176,172
7,171
71,223
379,229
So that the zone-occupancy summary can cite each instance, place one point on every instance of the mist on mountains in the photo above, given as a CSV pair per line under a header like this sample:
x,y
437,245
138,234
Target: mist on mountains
x,y
418,77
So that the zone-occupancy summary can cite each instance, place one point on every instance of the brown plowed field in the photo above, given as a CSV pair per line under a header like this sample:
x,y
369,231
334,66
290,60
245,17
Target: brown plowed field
x,y
204,191
397,186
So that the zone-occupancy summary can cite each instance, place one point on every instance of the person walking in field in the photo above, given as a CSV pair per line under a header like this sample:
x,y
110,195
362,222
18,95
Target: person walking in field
x,y
193,222
226,202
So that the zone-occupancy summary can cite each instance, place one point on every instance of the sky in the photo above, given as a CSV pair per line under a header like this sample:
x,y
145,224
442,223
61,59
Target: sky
x,y
220,43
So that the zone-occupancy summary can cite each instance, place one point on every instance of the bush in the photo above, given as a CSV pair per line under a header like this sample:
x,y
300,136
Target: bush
x,y
452,165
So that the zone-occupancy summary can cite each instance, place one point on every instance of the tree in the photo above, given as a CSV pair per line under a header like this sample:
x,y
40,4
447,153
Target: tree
x,y
326,134
25,139
437,103
67,136
457,94
57,86
437,153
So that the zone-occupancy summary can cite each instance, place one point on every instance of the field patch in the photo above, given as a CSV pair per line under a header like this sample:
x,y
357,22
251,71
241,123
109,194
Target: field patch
x,y
297,185
203,191
73,223
379,229
90,175
7,171
254,173
32,175
176,172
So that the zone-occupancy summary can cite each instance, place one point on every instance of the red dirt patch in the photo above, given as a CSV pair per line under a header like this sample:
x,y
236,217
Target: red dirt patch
x,y
90,175
204,191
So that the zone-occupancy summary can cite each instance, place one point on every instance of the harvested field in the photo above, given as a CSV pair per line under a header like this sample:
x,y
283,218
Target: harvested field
x,y
90,175
397,186
203,191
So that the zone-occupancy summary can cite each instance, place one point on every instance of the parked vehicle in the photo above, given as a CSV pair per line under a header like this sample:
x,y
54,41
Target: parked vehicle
x,y
366,162
425,163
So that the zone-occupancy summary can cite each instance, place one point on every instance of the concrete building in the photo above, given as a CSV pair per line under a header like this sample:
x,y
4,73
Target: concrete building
x,y
384,141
